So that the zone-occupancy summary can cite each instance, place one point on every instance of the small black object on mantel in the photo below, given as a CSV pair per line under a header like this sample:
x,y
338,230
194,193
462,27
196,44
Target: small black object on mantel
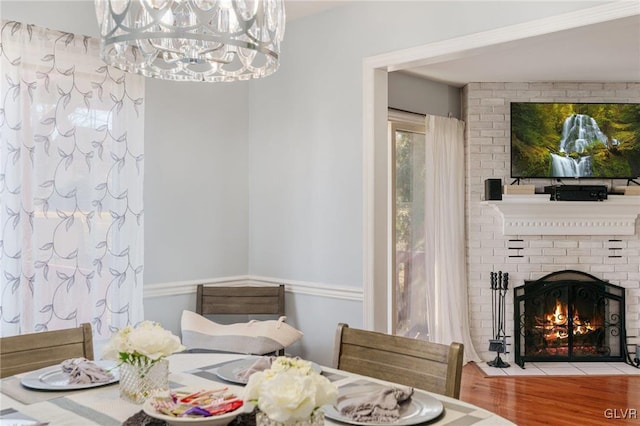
x,y
499,285
577,192
493,189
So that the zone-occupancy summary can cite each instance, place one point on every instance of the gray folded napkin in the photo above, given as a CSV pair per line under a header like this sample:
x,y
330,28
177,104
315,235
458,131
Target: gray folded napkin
x,y
83,371
381,406
261,364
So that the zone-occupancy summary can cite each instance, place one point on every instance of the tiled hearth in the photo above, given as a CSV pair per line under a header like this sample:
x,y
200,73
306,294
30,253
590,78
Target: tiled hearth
x,y
562,369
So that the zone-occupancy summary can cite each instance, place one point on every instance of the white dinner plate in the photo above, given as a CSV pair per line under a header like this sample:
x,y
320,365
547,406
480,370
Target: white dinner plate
x,y
420,409
230,370
54,379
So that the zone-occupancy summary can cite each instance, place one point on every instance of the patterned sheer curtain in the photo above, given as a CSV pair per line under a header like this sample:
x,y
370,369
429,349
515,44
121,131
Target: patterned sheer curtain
x,y
446,275
71,174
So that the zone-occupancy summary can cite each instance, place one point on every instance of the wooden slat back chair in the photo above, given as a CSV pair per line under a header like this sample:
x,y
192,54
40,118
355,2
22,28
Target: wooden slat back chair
x,y
411,362
27,352
240,300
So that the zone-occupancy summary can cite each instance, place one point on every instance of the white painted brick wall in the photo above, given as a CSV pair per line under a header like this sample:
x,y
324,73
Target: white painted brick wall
x,y
486,113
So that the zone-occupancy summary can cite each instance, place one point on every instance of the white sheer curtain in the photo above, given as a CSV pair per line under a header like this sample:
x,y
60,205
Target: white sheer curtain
x,y
447,302
71,174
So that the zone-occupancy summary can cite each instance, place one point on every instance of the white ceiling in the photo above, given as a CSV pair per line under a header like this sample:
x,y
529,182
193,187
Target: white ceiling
x,y
608,51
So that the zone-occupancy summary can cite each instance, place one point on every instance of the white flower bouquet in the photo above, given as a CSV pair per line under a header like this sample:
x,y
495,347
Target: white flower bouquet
x,y
142,350
291,390
144,344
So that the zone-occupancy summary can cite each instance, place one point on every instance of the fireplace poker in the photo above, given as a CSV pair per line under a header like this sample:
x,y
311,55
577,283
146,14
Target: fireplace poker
x,y
499,287
493,304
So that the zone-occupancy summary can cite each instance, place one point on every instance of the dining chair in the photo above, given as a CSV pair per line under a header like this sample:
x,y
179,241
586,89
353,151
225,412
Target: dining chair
x,y
240,300
235,301
27,352
433,367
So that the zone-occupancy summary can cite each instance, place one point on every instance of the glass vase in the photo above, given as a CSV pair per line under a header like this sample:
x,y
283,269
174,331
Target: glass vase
x,y
316,419
144,379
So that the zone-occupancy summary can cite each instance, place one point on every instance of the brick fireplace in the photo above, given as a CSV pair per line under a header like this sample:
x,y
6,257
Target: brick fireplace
x,y
569,316
611,257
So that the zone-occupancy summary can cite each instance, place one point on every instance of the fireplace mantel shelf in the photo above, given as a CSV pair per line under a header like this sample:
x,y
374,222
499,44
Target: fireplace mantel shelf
x,y
538,215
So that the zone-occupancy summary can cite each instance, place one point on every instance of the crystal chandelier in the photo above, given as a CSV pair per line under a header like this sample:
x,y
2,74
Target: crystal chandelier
x,y
192,40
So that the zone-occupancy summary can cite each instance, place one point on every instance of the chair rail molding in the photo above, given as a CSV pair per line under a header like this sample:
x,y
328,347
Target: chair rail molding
x,y
538,215
291,286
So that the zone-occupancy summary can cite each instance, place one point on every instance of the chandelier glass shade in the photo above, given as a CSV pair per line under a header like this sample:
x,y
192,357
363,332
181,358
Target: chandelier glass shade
x,y
192,40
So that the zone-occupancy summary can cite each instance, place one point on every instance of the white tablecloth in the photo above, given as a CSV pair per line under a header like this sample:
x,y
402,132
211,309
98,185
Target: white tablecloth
x,y
103,406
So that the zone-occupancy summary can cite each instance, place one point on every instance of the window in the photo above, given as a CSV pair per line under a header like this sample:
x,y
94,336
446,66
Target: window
x,y
407,243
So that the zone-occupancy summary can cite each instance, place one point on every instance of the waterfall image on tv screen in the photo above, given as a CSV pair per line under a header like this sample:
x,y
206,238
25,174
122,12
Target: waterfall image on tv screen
x,y
575,140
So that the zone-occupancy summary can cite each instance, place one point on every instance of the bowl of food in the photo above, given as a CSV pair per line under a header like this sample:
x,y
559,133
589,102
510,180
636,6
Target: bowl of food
x,y
201,408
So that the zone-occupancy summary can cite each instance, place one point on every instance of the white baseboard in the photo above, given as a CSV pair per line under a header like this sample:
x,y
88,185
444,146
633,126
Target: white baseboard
x,y
296,287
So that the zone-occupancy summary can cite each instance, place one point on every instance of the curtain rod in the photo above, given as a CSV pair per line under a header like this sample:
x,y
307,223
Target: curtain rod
x,y
408,112
415,113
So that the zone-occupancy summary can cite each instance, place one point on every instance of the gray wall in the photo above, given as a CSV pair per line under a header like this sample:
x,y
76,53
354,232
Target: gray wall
x,y
196,180
415,94
306,128
265,178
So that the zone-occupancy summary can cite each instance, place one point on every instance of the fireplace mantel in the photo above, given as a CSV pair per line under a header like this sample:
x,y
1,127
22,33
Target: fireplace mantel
x,y
538,215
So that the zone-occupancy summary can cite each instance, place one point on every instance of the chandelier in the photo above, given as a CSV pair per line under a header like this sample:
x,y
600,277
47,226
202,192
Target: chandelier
x,y
192,40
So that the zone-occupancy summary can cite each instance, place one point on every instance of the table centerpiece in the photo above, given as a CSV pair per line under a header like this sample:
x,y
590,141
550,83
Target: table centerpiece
x,y
142,352
289,393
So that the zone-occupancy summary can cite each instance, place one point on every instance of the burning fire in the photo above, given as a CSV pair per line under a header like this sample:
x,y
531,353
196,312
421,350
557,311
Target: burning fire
x,y
556,324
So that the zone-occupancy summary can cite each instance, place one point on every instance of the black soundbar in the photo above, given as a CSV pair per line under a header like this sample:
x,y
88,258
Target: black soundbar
x,y
577,192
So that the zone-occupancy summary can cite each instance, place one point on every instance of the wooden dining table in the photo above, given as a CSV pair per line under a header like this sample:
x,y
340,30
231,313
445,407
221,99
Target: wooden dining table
x,y
103,406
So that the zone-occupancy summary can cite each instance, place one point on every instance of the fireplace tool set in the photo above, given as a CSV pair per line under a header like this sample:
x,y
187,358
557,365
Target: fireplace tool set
x,y
499,285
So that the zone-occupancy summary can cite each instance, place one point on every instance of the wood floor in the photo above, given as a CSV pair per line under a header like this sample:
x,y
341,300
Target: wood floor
x,y
557,401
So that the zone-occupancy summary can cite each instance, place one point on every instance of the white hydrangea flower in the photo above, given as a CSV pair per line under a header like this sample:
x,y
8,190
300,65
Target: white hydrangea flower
x,y
290,390
287,397
145,343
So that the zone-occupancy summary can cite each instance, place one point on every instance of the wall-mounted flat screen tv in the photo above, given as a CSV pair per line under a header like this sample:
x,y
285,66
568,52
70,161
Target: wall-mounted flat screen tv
x,y
575,140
